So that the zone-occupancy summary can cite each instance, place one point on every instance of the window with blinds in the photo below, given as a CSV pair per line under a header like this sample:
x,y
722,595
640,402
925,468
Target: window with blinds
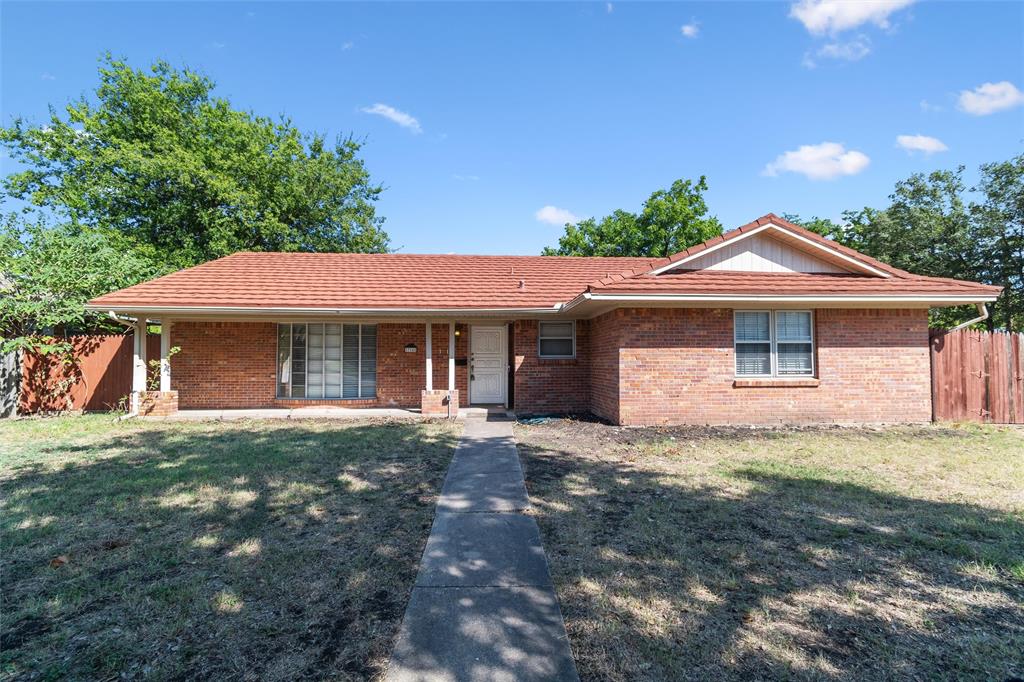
x,y
326,360
774,343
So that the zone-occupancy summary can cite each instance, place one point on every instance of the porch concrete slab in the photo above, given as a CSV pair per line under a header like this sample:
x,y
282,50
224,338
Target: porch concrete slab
x,y
289,413
483,550
488,411
502,634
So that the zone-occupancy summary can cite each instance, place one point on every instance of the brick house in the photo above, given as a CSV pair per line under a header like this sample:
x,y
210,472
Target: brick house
x,y
768,323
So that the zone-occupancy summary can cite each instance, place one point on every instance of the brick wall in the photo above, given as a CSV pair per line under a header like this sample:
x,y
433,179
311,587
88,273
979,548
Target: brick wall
x,y
550,385
604,366
224,364
401,376
632,366
234,365
677,366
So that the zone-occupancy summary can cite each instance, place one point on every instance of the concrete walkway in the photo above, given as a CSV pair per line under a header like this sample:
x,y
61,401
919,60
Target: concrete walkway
x,y
483,607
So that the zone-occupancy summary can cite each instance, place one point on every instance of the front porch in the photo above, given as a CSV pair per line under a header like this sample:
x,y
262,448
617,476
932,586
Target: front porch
x,y
230,369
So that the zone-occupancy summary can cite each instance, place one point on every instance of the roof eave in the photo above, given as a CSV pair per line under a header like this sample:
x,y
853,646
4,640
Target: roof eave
x,y
274,311
932,300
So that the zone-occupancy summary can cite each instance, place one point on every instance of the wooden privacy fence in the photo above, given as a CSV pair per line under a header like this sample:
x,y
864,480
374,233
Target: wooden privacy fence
x,y
977,376
98,378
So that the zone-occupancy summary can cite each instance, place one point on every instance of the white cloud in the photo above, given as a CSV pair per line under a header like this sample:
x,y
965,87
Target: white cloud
x,y
556,216
471,178
835,16
989,98
609,7
348,45
823,161
928,107
921,143
395,116
47,76
690,30
850,51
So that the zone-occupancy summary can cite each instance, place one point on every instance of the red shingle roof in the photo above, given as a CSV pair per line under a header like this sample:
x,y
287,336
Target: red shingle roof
x,y
348,280
336,281
791,284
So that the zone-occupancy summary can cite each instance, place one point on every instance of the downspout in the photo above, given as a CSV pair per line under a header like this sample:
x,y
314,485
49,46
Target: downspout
x,y
982,316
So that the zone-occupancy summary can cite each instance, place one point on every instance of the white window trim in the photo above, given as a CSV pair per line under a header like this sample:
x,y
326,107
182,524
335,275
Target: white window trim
x,y
540,326
773,343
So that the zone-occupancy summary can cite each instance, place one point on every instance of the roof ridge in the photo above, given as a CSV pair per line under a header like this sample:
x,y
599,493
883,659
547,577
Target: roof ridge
x,y
494,256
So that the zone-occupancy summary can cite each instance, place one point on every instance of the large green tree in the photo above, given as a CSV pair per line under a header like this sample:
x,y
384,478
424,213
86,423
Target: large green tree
x,y
999,217
671,220
936,225
156,157
48,273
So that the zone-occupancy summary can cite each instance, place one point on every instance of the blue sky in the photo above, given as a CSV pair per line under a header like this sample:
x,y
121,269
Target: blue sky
x,y
478,116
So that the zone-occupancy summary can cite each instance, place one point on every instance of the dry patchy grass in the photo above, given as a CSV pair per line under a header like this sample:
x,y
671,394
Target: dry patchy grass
x,y
241,550
695,553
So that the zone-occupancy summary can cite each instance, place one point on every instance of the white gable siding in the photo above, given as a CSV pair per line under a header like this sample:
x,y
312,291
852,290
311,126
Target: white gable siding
x,y
761,254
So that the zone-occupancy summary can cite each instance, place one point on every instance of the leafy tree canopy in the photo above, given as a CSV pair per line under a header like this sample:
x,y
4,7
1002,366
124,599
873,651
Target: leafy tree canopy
x,y
935,225
185,178
48,273
671,220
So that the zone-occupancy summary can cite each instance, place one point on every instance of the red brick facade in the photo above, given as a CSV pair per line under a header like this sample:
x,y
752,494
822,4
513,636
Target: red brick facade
x,y
548,385
158,403
632,366
677,366
234,365
224,364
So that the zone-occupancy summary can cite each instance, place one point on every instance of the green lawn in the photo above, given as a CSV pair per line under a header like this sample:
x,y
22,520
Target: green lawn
x,y
791,554
238,550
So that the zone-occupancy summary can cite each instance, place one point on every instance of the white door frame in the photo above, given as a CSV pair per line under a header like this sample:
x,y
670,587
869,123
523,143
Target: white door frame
x,y
503,328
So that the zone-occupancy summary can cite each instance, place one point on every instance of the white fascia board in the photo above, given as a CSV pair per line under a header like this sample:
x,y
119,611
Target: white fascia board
x,y
775,298
853,262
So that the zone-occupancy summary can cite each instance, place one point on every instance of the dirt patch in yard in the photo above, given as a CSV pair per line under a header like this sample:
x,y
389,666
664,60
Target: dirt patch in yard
x,y
817,553
239,550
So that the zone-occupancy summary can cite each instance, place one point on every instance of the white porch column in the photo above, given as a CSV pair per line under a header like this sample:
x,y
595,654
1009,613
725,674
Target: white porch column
x,y
165,355
451,356
430,360
139,363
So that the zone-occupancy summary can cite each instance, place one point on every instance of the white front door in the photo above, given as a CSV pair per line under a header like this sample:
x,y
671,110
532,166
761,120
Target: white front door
x,y
487,365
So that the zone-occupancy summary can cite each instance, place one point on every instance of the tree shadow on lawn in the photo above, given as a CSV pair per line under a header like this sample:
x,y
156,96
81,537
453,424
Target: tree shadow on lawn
x,y
774,572
214,551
